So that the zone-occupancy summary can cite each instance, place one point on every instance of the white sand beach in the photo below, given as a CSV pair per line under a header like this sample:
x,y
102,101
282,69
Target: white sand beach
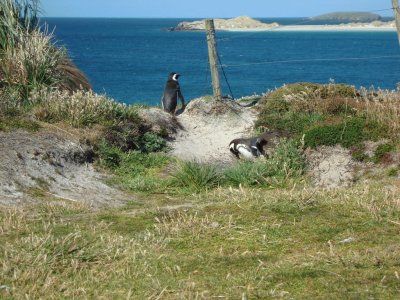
x,y
341,27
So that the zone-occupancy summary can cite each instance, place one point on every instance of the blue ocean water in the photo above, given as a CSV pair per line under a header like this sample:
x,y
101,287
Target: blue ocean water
x,y
130,59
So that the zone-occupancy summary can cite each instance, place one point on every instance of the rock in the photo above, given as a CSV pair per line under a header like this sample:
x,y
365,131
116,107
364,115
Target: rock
x,y
159,120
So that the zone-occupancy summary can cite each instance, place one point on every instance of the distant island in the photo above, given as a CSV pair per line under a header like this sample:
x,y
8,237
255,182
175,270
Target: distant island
x,y
348,17
238,23
348,22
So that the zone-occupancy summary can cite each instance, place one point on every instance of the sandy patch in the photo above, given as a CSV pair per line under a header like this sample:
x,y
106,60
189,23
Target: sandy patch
x,y
54,165
207,130
330,167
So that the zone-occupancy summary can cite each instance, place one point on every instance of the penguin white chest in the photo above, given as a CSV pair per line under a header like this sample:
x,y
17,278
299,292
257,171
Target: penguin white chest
x,y
245,151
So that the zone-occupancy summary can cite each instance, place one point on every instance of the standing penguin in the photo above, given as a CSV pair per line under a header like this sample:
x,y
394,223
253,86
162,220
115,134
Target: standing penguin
x,y
172,91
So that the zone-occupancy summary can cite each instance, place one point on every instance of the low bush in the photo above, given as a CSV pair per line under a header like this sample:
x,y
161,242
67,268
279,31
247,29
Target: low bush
x,y
109,156
151,142
347,134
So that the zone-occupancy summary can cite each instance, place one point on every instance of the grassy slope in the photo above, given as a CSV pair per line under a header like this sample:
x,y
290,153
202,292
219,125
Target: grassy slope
x,y
282,239
254,242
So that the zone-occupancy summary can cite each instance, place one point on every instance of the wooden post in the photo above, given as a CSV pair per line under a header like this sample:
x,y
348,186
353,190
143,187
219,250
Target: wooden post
x,y
396,11
212,54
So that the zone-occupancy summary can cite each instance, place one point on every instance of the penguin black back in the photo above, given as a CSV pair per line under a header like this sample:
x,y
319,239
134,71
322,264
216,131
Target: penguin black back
x,y
172,92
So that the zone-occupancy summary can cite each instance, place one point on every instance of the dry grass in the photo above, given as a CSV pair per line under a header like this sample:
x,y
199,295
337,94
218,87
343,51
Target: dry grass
x,y
382,106
234,243
80,108
30,63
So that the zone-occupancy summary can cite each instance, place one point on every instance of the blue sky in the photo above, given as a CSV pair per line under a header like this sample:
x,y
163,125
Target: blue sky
x,y
206,8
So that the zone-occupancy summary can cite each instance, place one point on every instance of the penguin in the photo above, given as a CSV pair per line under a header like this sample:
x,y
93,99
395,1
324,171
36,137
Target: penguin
x,y
249,148
172,91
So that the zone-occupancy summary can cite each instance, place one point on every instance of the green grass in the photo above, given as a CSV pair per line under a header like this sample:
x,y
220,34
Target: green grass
x,y
9,123
196,177
136,171
254,243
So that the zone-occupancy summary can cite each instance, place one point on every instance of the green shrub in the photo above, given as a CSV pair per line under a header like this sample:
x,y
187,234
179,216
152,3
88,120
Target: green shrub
x,y
194,176
110,156
347,134
151,142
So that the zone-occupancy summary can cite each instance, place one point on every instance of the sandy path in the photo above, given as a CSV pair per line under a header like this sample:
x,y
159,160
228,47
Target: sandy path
x,y
206,139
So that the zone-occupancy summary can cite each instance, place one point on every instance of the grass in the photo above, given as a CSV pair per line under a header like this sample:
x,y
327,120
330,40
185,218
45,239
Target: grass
x,y
193,176
253,243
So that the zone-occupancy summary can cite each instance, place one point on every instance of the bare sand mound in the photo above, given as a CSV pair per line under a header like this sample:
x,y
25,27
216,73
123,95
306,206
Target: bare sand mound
x,y
207,129
330,167
50,163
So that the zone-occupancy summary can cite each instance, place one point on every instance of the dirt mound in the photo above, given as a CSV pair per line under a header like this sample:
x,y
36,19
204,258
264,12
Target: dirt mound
x,y
207,128
49,163
330,167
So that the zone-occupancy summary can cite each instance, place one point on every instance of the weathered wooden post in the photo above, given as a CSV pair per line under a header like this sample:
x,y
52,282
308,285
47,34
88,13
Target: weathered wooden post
x,y
396,11
212,54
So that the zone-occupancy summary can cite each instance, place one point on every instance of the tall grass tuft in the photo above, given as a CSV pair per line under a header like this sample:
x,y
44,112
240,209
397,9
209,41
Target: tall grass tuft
x,y
29,60
197,177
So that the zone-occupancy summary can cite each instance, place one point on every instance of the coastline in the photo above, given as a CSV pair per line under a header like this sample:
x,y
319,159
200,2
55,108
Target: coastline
x,y
306,28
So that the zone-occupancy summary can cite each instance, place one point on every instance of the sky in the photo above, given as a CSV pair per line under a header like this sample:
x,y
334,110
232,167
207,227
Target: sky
x,y
206,8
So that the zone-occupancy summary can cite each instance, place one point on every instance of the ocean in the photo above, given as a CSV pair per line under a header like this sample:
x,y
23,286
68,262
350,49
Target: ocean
x,y
130,59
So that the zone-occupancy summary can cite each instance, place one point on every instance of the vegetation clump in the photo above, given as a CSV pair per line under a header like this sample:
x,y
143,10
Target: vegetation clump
x,y
29,60
332,114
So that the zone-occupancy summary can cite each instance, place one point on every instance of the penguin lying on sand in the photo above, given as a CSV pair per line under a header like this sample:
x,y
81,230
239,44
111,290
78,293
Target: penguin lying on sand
x,y
251,148
172,91
248,148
